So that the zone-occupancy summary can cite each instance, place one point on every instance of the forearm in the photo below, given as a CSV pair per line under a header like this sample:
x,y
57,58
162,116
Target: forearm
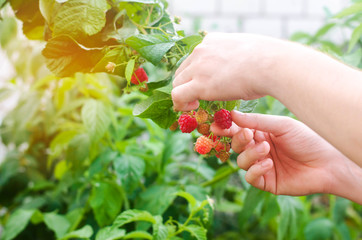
x,y
323,93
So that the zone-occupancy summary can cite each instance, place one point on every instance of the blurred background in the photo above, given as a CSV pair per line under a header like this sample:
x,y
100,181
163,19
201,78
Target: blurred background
x,y
276,18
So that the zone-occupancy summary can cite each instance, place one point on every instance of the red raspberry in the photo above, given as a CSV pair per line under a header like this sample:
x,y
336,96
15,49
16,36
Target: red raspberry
x,y
203,128
187,123
201,116
220,146
203,145
139,76
223,118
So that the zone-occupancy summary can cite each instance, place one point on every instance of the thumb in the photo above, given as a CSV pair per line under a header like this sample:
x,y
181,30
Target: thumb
x,y
278,125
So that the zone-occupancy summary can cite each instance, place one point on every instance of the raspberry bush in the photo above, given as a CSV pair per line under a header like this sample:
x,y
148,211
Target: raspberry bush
x,y
88,150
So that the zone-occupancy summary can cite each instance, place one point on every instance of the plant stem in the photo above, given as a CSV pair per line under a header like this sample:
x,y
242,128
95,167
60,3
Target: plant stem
x,y
220,177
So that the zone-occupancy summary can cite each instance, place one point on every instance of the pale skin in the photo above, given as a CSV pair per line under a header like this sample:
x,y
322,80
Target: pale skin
x,y
321,153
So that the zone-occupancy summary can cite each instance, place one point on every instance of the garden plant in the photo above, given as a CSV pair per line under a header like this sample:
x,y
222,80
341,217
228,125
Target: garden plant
x,y
95,150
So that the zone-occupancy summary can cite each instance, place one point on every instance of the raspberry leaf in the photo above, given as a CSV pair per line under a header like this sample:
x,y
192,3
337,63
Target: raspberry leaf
x,y
157,107
151,47
248,106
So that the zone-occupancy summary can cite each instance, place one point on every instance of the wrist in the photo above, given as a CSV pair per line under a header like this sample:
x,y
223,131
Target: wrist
x,y
346,181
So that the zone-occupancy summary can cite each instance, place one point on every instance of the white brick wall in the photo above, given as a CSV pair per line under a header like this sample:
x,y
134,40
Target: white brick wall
x,y
278,18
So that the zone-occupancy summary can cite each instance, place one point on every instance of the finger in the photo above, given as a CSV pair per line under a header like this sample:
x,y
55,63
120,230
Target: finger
x,y
259,136
187,62
183,77
185,97
255,174
247,158
278,125
225,132
241,139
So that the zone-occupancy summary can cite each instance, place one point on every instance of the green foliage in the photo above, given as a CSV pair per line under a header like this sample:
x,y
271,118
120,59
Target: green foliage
x,y
80,165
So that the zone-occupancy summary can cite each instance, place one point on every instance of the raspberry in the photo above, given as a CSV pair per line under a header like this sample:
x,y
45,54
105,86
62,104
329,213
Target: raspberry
x,y
223,156
139,76
174,126
203,128
110,67
223,118
220,146
203,145
187,123
201,116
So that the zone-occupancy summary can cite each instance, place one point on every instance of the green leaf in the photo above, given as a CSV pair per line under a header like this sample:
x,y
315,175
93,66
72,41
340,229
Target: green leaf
x,y
61,140
290,217
356,36
138,234
110,233
160,231
129,70
230,105
64,56
129,170
57,223
16,223
190,199
252,200
84,233
143,12
28,12
9,168
156,199
157,107
106,202
80,18
356,8
323,30
248,106
190,42
8,31
78,150
96,118
133,215
198,232
151,47
319,229
118,56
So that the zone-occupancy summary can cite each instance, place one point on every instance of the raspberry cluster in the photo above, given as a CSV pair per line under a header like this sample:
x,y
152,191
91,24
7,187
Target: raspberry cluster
x,y
207,143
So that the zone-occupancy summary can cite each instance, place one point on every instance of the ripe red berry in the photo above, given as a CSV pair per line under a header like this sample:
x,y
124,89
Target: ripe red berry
x,y
223,118
139,76
187,123
204,128
220,146
203,145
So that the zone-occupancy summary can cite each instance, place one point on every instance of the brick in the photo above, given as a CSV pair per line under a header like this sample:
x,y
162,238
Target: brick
x,y
303,25
198,7
220,24
265,26
284,7
240,6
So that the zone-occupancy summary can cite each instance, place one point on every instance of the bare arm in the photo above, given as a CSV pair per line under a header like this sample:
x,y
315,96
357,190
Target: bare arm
x,y
322,92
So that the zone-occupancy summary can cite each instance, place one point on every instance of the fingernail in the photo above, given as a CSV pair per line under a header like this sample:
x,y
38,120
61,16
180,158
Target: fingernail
x,y
260,148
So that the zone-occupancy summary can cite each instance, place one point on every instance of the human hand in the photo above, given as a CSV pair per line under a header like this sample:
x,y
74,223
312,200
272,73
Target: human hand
x,y
284,156
227,67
